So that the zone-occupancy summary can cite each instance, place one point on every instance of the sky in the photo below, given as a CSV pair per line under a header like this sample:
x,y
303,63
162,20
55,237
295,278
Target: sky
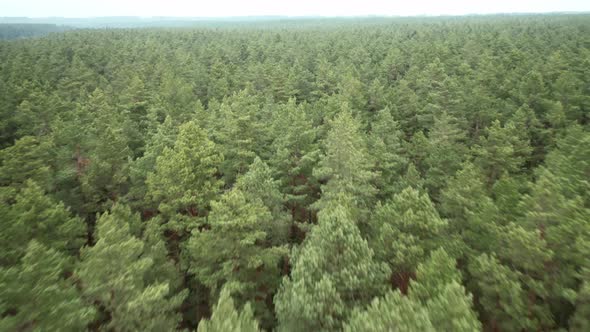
x,y
224,8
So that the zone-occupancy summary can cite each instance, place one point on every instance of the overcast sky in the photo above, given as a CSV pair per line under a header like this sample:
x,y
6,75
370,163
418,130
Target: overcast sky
x,y
93,8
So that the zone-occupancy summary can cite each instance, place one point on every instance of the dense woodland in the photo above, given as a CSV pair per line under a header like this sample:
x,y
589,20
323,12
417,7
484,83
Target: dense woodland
x,y
410,174
15,31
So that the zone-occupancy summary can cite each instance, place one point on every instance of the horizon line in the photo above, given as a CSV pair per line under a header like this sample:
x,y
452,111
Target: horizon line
x,y
301,16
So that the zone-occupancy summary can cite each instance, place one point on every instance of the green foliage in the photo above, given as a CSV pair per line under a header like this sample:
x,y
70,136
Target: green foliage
x,y
235,246
239,132
35,215
104,173
394,312
140,168
35,296
436,301
438,286
501,151
26,160
385,147
184,179
445,154
333,273
472,214
452,310
225,317
405,230
112,274
500,294
346,166
258,183
305,165
296,155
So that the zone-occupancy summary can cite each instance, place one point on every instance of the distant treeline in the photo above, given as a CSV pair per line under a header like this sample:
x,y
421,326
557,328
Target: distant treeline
x,y
14,31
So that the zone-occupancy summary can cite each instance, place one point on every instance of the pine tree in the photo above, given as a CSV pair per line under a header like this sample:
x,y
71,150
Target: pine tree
x,y
332,273
527,253
570,162
411,178
507,194
395,312
472,214
405,230
501,151
35,296
34,114
163,137
346,165
559,225
164,269
580,320
385,146
225,317
350,90
240,133
234,247
417,149
436,301
452,310
28,159
433,275
531,129
438,287
103,169
500,294
35,215
185,177
407,108
296,155
258,184
112,273
446,152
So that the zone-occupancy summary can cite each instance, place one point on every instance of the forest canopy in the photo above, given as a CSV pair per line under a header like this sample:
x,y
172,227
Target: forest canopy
x,y
362,174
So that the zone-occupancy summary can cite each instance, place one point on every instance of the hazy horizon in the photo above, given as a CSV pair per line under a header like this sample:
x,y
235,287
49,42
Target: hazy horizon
x,y
236,8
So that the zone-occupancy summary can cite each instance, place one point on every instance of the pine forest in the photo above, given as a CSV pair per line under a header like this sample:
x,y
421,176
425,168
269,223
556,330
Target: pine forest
x,y
312,174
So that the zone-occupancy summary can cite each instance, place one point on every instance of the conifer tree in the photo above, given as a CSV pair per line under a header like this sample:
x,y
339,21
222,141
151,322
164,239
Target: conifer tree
x,y
446,152
225,317
501,151
452,310
472,214
185,177
531,129
102,169
411,178
438,287
163,137
385,144
28,159
258,184
346,166
394,312
500,294
417,149
570,162
296,155
113,275
333,272
35,296
35,215
406,229
580,320
239,131
235,247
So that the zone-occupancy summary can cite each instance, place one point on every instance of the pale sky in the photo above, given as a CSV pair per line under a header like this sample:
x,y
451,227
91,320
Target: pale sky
x,y
212,8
